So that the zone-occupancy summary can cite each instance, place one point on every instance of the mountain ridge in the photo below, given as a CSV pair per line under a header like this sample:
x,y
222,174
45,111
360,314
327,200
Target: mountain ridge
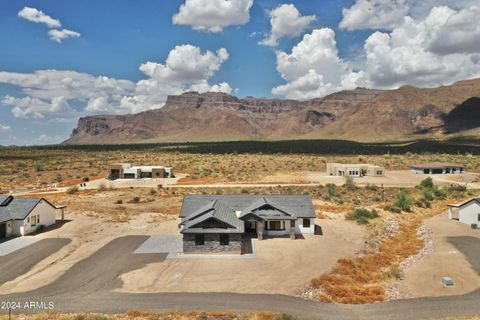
x,y
360,114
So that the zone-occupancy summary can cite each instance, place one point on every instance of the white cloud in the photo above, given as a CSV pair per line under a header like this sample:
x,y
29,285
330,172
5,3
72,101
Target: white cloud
x,y
389,14
33,107
427,52
286,21
4,128
374,14
37,16
54,92
213,15
59,35
314,69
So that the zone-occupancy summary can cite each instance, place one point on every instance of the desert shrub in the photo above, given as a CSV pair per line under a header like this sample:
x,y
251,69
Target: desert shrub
x,y
404,200
427,183
393,209
244,191
72,190
102,187
119,201
394,272
362,215
350,184
152,192
331,189
135,200
371,187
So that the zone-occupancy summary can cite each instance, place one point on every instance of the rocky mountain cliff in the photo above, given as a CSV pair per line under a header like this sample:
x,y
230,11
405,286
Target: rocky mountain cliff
x,y
360,114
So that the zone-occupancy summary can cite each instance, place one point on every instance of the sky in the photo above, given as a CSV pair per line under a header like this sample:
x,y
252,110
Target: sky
x,y
62,60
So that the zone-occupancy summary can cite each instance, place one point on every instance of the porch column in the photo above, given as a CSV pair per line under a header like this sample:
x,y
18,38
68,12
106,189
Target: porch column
x,y
292,229
260,230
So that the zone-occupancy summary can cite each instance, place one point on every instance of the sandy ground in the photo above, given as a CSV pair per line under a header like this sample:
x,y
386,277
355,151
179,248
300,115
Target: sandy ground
x,y
423,278
88,234
399,178
282,265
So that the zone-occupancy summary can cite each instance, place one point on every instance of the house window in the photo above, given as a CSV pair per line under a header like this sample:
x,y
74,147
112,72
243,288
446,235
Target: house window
x,y
199,239
478,218
224,240
33,221
38,219
379,173
276,225
306,223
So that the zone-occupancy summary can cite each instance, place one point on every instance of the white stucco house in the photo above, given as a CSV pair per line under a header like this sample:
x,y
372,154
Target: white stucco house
x,y
22,216
467,212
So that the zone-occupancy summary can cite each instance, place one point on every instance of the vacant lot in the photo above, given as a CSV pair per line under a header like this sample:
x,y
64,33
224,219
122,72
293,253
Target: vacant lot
x,y
423,278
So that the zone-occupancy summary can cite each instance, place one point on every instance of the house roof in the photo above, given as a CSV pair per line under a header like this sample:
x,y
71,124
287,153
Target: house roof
x,y
436,165
299,206
461,204
215,209
17,208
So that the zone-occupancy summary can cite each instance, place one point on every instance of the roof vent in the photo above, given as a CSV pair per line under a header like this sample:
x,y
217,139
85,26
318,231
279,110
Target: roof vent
x,y
6,201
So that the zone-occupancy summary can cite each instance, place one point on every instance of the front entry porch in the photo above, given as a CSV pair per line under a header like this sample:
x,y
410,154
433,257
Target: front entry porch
x,y
270,228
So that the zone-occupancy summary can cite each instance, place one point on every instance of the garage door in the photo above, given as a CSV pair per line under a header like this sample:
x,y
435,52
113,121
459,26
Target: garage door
x,y
3,230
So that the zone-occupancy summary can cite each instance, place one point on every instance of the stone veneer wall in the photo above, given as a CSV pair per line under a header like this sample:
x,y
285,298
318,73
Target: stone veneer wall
x,y
212,244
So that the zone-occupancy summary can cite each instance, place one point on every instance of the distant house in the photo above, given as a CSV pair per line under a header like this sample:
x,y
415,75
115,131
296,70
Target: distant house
x,y
467,212
437,168
127,171
354,170
22,216
221,223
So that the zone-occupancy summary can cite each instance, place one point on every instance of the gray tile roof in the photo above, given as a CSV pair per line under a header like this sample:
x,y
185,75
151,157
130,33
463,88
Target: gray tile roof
x,y
216,209
18,208
298,205
198,208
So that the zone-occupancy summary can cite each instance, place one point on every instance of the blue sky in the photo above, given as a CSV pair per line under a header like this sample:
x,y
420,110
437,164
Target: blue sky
x,y
336,45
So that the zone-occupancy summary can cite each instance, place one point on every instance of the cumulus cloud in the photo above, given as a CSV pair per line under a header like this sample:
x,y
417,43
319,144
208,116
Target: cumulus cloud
x,y
389,14
37,16
54,92
286,21
4,127
213,15
374,14
313,68
427,52
59,35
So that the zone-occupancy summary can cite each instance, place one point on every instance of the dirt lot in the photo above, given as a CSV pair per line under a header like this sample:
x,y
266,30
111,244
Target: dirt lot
x,y
392,178
423,278
282,265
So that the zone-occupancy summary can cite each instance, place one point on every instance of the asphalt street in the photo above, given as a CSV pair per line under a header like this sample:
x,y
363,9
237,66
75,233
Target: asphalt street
x,y
90,286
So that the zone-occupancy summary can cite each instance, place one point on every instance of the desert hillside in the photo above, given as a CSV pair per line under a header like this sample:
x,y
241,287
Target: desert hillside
x,y
360,114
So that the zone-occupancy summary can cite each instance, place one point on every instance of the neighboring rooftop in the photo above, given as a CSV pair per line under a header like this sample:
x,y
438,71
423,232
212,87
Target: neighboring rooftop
x,y
436,165
12,208
461,204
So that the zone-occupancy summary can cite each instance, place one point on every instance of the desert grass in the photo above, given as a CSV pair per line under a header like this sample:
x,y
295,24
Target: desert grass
x,y
362,279
66,166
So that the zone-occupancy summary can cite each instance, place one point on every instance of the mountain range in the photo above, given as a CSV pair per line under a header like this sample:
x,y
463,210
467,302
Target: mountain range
x,y
360,114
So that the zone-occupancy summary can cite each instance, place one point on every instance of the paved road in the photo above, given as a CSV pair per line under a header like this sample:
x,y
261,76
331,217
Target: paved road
x,y
21,261
89,286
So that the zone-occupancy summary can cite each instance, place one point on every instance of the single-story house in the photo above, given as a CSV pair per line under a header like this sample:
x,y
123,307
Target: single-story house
x,y
22,216
221,223
354,170
437,168
127,171
467,212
